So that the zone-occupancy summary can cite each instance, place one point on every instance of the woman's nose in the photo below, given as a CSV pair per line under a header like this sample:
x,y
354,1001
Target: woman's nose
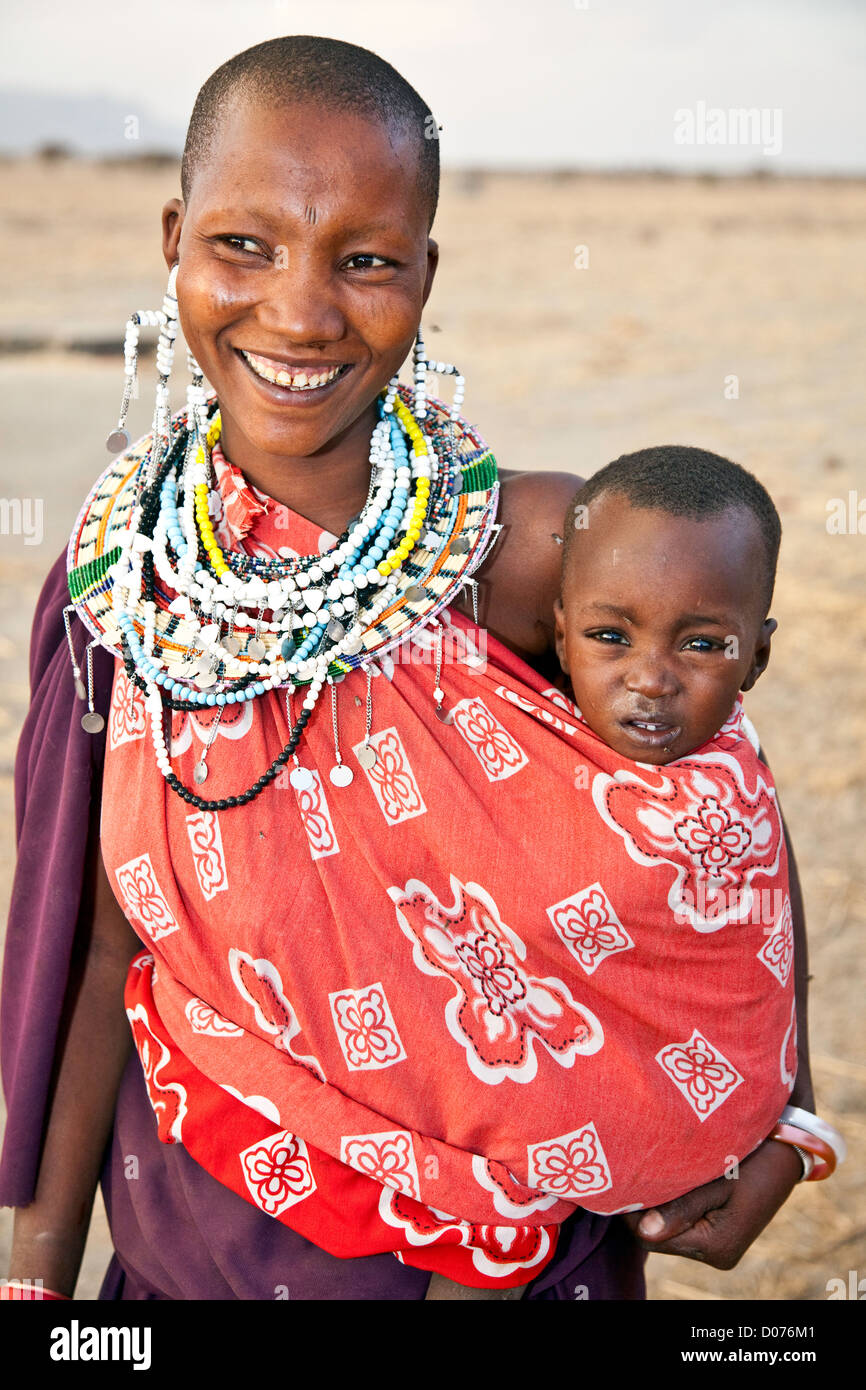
x,y
300,306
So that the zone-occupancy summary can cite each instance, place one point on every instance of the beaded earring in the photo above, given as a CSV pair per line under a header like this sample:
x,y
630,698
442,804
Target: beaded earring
x,y
196,400
424,365
164,361
165,319
390,396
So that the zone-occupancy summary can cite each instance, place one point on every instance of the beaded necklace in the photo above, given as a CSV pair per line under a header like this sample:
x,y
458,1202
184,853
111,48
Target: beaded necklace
x,y
197,625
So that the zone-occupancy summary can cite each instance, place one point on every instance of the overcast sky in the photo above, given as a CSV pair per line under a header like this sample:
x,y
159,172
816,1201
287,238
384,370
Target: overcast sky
x,y
547,82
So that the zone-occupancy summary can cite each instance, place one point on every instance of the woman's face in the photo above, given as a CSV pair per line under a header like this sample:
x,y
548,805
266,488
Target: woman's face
x,y
303,252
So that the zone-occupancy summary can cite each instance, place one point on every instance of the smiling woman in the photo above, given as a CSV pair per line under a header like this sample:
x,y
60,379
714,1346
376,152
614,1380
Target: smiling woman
x,y
325,272
329,1007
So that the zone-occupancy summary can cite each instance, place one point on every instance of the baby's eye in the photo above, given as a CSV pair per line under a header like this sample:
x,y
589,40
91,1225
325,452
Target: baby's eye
x,y
610,635
701,644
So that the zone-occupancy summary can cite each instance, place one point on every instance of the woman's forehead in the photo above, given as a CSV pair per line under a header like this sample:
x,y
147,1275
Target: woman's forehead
x,y
262,155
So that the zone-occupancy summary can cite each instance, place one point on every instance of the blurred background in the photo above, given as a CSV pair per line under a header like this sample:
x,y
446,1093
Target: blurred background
x,y
652,231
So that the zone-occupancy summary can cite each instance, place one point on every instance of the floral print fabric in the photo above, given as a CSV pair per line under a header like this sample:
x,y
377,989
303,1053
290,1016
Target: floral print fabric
x,y
433,1011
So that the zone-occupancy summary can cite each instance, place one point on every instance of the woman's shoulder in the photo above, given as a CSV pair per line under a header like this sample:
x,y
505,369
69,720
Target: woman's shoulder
x,y
519,580
534,502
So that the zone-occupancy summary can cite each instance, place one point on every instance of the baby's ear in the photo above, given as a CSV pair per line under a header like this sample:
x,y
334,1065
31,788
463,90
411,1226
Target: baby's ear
x,y
559,620
761,657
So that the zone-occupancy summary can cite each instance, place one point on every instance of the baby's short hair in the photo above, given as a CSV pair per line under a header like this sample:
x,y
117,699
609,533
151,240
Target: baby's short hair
x,y
304,67
682,481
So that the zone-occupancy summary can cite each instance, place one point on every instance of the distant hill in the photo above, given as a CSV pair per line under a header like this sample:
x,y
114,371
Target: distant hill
x,y
91,125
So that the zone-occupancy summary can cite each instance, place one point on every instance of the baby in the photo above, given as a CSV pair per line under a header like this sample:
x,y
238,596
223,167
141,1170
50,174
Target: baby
x,y
669,562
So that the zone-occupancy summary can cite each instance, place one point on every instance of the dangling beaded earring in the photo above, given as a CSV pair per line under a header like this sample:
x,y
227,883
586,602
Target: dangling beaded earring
x,y
196,401
390,395
423,365
118,439
164,360
419,355
166,320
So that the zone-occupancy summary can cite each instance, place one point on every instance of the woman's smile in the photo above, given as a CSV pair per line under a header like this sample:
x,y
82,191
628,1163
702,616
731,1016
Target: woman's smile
x,y
294,383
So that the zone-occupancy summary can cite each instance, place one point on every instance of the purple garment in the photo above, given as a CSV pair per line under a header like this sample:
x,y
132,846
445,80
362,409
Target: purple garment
x,y
177,1232
58,767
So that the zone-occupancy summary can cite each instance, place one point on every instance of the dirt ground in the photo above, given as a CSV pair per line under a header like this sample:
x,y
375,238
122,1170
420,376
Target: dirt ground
x,y
591,316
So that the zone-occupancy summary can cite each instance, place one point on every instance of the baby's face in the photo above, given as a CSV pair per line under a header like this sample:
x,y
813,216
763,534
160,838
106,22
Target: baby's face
x,y
661,623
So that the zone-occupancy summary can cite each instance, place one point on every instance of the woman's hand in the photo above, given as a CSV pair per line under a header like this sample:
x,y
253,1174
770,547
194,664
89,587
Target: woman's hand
x,y
717,1223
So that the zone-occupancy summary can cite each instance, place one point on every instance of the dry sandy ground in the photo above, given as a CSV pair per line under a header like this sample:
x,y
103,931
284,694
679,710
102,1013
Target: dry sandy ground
x,y
688,283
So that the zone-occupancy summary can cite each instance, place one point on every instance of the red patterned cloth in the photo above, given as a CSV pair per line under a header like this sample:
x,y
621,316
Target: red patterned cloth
x,y
506,972
240,505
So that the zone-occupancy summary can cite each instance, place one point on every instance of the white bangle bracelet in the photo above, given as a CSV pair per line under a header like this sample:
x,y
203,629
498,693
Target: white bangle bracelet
x,y
804,1119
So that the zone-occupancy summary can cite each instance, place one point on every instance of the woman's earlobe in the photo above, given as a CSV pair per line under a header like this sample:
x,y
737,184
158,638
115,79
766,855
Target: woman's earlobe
x,y
172,222
432,263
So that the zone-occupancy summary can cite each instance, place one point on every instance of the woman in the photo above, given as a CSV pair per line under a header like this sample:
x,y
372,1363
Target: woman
x,y
314,267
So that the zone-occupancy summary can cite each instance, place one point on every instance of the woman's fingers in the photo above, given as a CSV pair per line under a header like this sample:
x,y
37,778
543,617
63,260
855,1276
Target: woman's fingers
x,y
717,1223
670,1219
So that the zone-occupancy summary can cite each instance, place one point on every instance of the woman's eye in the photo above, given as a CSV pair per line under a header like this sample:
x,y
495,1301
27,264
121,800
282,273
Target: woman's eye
x,y
701,644
240,243
370,262
609,635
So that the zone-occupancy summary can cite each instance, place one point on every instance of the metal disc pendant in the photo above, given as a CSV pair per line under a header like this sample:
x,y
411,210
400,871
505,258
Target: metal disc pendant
x,y
416,593
199,772
341,775
232,645
205,679
444,715
366,756
352,648
92,723
335,629
79,688
301,779
257,649
460,546
117,441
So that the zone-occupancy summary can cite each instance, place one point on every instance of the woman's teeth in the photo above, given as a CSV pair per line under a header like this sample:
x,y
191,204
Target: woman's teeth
x,y
280,375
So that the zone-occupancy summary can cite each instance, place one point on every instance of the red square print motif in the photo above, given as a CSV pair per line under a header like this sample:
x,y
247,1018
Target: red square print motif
x,y
277,1172
366,1029
143,899
700,1072
587,924
392,778
206,843
497,751
570,1165
316,817
777,952
387,1158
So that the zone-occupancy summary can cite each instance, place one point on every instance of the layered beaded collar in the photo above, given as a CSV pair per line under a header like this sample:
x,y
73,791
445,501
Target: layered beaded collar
x,y
204,626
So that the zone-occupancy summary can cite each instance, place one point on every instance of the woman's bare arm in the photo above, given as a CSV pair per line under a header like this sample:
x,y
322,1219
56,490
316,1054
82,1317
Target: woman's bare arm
x,y
802,1094
93,1045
